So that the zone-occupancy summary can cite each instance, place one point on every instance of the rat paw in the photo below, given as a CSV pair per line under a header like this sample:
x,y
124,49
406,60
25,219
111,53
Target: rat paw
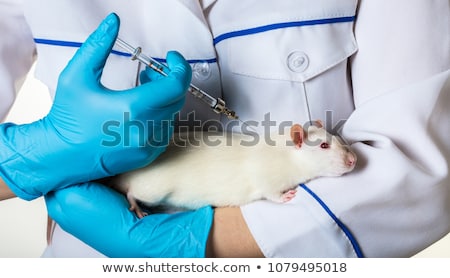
x,y
139,212
282,197
289,195
135,207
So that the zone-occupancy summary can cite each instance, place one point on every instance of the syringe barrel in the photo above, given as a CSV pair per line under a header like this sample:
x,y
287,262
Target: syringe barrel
x,y
152,63
198,93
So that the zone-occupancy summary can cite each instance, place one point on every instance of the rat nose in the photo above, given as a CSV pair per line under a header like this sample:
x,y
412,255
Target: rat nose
x,y
351,159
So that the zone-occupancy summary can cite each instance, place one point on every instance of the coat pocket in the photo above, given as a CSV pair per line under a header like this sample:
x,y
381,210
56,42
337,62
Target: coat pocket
x,y
292,51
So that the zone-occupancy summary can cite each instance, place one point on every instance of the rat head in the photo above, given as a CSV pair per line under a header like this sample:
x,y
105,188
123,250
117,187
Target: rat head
x,y
327,155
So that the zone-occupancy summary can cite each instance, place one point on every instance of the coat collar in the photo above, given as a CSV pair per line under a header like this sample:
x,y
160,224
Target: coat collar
x,y
196,7
206,3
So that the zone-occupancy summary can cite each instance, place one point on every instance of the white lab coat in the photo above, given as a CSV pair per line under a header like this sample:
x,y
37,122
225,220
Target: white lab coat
x,y
381,65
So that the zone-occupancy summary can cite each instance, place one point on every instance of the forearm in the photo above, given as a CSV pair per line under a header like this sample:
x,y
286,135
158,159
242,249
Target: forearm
x,y
5,192
230,236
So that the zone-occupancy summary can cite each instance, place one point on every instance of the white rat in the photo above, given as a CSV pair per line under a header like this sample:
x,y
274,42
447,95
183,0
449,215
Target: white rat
x,y
228,170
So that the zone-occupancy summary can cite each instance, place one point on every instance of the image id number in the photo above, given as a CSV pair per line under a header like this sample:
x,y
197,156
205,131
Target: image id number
x,y
307,267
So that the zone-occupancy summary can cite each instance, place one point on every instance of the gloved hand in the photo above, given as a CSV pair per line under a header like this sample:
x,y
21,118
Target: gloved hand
x,y
100,217
91,131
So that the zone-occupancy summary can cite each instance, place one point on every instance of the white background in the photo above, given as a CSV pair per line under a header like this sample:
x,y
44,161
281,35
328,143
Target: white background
x,y
23,224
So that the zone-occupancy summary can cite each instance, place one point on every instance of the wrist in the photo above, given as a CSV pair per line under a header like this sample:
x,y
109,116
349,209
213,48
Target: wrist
x,y
16,143
33,160
5,191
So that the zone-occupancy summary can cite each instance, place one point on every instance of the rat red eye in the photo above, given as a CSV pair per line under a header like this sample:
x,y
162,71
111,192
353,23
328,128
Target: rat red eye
x,y
324,145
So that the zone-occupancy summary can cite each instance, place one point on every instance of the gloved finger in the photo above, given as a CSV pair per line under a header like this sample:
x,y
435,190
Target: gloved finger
x,y
149,75
179,66
173,58
92,55
144,76
167,90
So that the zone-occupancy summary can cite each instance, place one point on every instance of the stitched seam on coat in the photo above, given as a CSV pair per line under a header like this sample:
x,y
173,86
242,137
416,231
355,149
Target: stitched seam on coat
x,y
281,25
340,224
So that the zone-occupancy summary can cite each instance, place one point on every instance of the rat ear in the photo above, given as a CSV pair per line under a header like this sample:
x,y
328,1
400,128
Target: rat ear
x,y
297,135
319,123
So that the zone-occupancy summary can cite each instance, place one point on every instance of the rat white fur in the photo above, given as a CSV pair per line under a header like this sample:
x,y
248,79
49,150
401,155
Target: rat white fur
x,y
223,170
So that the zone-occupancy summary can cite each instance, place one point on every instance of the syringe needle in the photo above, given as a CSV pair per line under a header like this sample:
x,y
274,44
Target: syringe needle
x,y
216,104
247,125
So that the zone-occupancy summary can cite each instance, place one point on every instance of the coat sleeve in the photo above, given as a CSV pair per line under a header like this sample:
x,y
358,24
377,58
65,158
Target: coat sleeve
x,y
397,201
401,82
17,52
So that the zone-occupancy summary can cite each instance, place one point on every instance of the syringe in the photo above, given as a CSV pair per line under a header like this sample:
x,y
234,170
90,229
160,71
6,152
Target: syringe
x,y
216,104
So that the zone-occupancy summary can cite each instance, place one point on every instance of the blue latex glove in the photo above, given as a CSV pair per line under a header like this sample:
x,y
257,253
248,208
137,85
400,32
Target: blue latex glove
x,y
91,131
100,217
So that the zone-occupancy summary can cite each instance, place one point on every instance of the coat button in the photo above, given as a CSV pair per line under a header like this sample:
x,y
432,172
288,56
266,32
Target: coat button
x,y
297,61
201,71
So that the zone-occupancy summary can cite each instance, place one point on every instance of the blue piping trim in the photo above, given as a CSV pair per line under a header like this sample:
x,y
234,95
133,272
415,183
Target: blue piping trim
x,y
270,27
341,225
192,61
119,53
74,44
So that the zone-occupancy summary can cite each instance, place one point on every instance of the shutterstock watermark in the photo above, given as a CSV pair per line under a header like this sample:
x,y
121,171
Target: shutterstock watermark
x,y
194,132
